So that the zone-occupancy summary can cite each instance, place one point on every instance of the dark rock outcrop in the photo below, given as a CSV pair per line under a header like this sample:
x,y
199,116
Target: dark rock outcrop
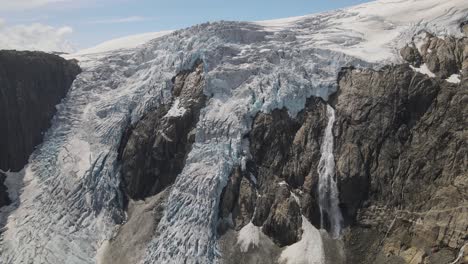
x,y
4,198
400,151
279,183
153,152
410,53
376,111
239,198
401,160
444,57
284,222
31,84
464,27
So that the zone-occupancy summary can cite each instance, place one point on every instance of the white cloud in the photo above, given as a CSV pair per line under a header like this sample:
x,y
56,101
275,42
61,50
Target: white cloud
x,y
35,36
120,20
8,5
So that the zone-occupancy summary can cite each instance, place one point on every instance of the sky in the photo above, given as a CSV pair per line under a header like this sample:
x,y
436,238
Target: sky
x,y
71,25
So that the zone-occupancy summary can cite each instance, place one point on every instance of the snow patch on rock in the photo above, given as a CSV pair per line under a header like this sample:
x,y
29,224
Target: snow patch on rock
x,y
307,250
424,70
176,109
249,236
454,78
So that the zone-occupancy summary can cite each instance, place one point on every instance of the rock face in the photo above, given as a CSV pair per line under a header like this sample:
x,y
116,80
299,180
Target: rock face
x,y
402,136
31,84
279,183
376,111
400,151
400,162
443,57
4,199
153,152
282,149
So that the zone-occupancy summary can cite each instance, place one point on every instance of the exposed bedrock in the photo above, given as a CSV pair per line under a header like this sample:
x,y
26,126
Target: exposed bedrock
x,y
376,113
276,187
401,157
443,57
31,85
282,150
4,198
401,162
153,152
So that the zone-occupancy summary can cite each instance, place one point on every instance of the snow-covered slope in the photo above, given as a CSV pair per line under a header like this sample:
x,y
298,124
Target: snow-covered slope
x,y
71,201
374,31
123,43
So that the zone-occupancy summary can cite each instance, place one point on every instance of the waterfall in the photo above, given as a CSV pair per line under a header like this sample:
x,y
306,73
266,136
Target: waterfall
x,y
328,190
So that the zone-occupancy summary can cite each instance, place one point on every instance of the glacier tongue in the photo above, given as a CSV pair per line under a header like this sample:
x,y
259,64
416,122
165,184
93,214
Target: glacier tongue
x,y
71,200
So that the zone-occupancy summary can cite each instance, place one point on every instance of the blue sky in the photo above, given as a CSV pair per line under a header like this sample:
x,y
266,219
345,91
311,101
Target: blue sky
x,y
89,22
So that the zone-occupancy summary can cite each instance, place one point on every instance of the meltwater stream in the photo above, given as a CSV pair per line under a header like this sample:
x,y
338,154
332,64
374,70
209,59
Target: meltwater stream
x,y
328,190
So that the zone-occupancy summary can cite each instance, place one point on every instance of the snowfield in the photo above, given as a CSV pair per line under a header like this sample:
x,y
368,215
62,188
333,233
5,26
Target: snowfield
x,y
71,203
123,43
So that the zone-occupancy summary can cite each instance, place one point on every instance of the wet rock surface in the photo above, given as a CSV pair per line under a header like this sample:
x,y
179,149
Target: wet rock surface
x,y
278,184
286,151
400,152
31,85
153,152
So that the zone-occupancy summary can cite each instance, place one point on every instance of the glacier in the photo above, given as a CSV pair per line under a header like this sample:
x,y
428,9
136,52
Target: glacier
x,y
70,202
